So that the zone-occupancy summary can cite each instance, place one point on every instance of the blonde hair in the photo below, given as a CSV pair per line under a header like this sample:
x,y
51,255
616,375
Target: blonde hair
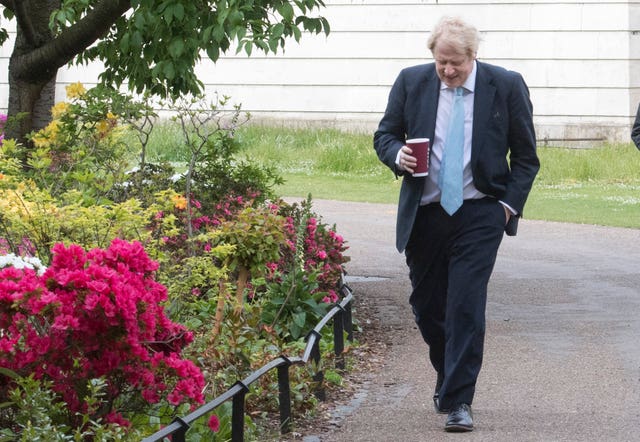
x,y
463,37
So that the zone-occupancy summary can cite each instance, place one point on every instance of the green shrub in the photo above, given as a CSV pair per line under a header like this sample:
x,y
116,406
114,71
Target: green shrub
x,y
38,414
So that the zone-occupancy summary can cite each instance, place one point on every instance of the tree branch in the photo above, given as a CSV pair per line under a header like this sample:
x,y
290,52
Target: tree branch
x,y
90,28
73,40
8,4
21,11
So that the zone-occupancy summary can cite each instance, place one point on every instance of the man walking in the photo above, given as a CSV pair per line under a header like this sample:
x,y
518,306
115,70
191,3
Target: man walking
x,y
482,164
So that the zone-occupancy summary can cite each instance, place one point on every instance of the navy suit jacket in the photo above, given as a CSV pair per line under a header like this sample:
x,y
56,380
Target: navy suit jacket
x,y
635,130
504,162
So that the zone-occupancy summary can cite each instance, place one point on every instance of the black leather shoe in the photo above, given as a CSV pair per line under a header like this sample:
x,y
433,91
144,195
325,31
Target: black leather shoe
x,y
460,419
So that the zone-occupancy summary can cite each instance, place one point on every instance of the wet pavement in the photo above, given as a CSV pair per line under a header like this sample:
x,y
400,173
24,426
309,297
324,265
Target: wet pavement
x,y
562,357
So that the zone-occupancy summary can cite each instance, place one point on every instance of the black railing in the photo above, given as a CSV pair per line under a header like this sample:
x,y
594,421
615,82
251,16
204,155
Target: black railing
x,y
342,323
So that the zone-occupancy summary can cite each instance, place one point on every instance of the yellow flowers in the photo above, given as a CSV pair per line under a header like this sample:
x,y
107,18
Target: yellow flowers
x,y
40,140
75,90
48,135
53,128
84,115
64,113
104,126
179,202
59,109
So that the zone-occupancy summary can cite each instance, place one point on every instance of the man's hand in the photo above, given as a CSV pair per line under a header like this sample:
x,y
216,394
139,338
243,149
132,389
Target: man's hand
x,y
507,214
407,161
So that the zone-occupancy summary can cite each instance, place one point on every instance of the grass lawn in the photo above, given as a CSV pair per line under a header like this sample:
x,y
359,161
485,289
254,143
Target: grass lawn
x,y
599,185
584,203
587,203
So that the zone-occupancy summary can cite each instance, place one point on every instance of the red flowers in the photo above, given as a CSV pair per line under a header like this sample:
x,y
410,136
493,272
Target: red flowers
x,y
214,423
323,251
95,314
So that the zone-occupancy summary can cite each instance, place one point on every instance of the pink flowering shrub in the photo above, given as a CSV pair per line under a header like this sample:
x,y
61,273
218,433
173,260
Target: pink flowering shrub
x,y
214,423
323,251
320,248
96,314
301,285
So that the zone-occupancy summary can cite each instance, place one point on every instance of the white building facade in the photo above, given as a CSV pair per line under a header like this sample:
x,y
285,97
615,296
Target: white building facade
x,y
580,59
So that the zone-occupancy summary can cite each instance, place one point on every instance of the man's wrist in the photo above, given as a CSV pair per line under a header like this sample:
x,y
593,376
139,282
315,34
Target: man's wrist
x,y
398,160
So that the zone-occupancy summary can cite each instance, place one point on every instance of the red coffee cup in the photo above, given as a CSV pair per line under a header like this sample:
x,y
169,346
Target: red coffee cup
x,y
420,149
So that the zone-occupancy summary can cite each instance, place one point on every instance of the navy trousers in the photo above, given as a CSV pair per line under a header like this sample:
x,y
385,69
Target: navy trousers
x,y
450,260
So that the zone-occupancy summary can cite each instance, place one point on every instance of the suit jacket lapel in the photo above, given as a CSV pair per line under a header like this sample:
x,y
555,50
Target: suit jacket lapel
x,y
483,103
425,107
430,103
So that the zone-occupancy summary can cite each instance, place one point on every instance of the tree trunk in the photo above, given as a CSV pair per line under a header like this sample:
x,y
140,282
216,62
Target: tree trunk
x,y
38,54
31,91
32,103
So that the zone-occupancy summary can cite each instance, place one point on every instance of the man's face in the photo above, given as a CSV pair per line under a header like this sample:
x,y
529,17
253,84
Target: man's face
x,y
452,67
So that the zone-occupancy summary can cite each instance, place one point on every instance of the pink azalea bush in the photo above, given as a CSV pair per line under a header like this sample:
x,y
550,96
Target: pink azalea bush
x,y
96,314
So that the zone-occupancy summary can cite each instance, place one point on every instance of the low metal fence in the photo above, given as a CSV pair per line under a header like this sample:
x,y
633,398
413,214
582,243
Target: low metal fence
x,y
341,315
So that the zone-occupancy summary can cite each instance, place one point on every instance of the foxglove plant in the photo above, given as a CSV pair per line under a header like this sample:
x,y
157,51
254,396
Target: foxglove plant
x,y
321,251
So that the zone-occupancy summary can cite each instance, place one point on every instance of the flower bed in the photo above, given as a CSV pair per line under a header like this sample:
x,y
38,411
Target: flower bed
x,y
128,298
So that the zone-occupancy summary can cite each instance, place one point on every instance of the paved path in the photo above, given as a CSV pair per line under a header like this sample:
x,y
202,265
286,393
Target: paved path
x,y
562,359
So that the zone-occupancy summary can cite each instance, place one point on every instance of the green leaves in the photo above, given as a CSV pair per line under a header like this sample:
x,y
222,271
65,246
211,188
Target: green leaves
x,y
283,19
174,11
4,35
156,47
293,306
69,13
286,11
213,52
256,234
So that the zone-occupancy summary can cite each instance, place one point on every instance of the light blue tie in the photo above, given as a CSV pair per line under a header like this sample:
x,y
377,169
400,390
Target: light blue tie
x,y
450,176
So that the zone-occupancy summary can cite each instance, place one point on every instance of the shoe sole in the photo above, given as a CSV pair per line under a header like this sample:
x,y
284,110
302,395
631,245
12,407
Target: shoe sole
x,y
457,429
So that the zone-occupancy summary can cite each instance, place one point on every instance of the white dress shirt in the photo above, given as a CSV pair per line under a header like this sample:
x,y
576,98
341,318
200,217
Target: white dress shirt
x,y
431,192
